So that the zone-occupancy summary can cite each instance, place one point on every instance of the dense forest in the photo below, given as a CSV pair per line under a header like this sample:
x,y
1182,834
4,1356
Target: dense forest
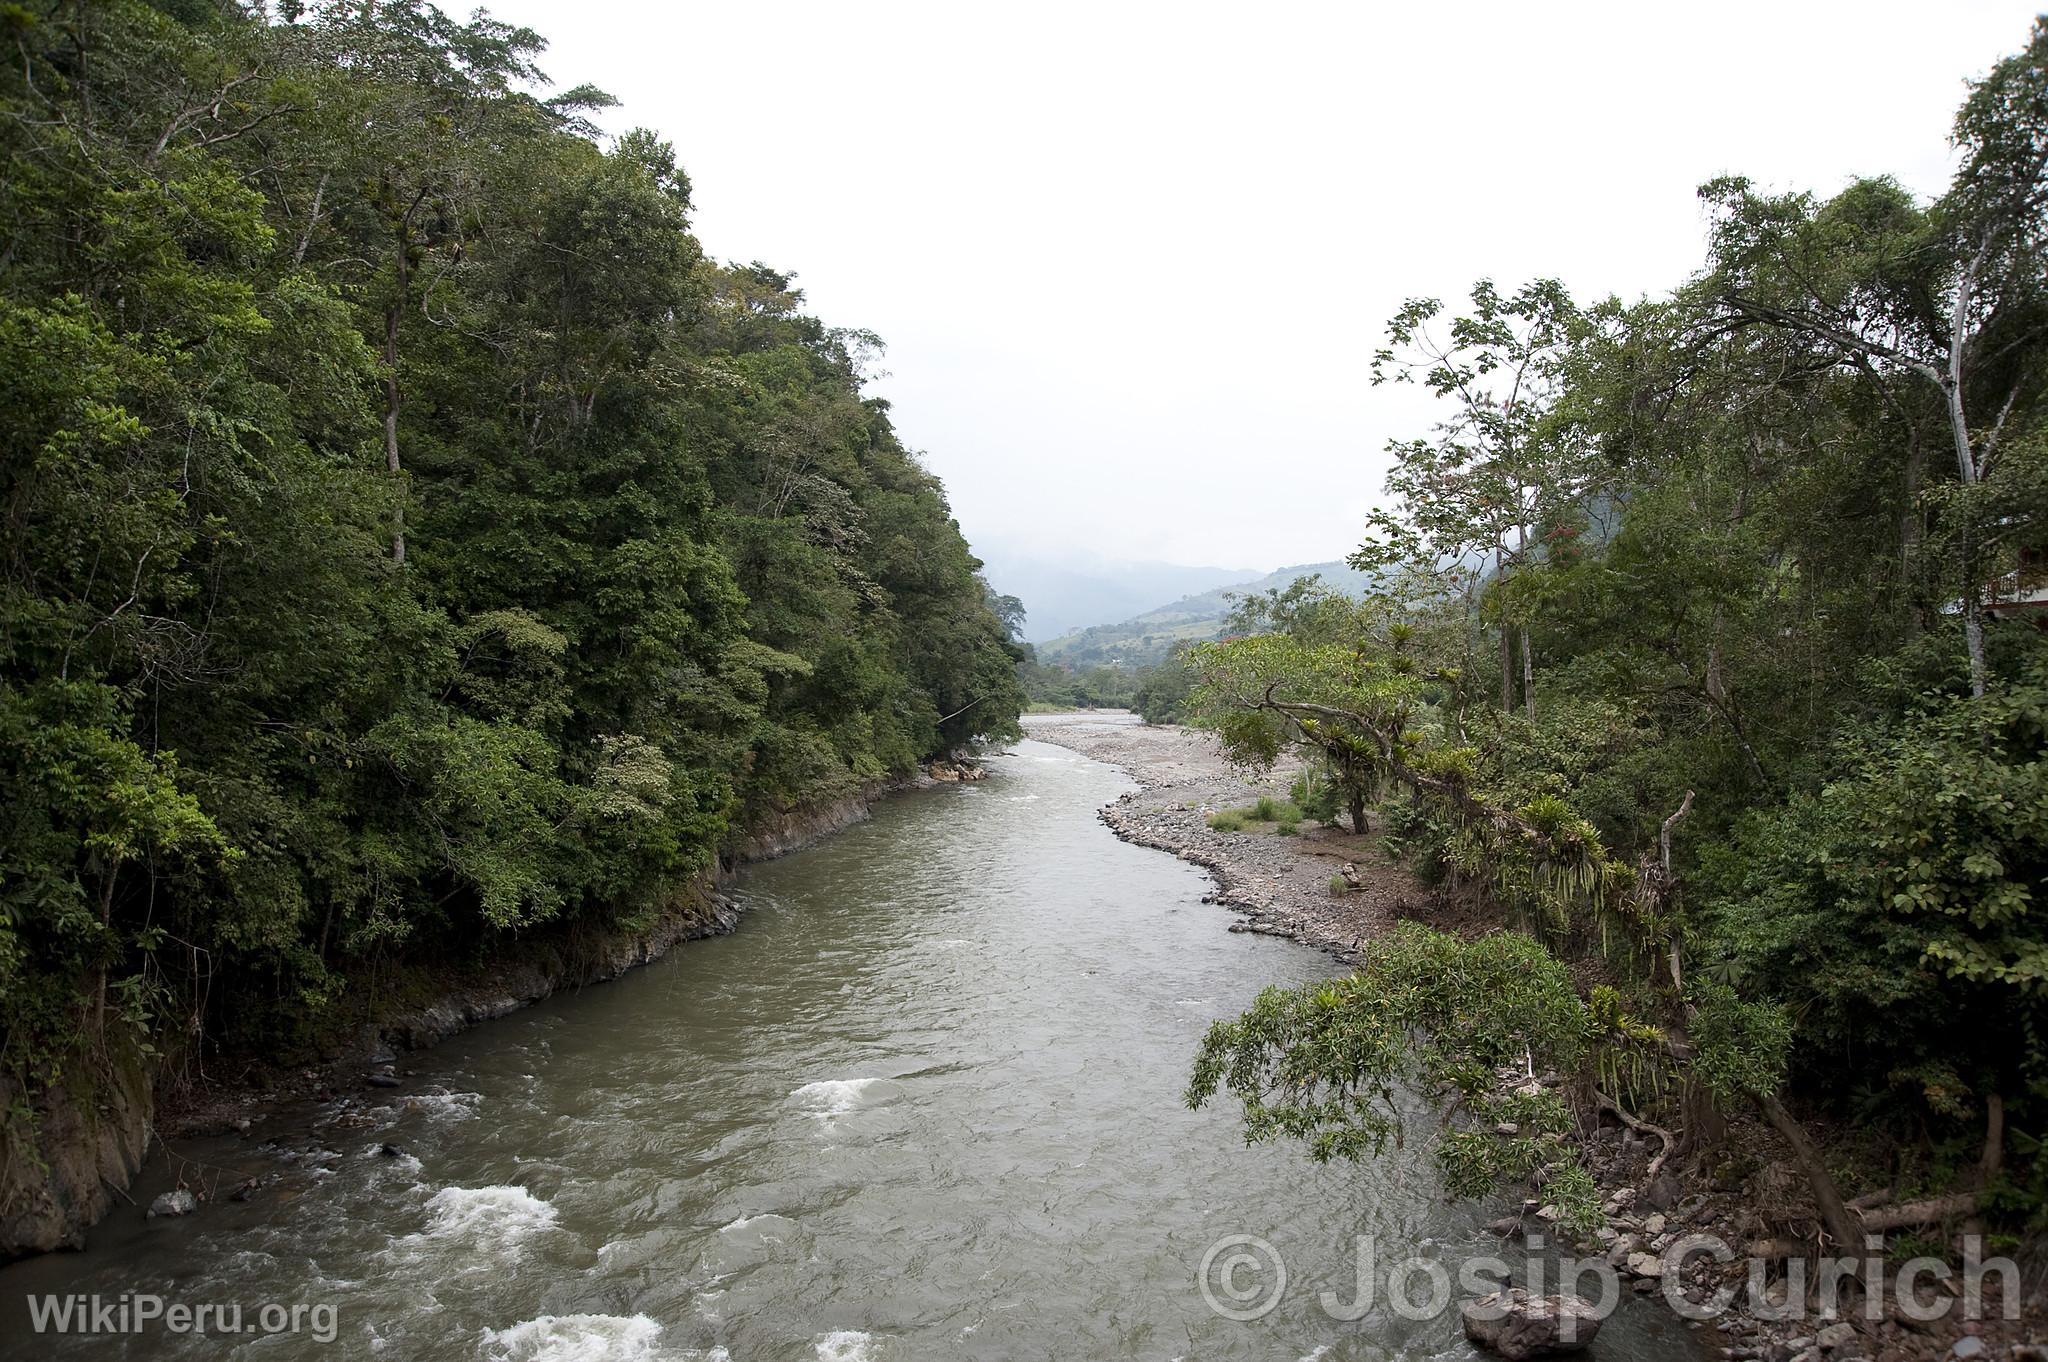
x,y
1712,651
412,539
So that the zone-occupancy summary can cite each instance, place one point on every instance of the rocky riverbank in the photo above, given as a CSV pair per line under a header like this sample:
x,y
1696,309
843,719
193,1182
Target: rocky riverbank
x,y
1654,1201
1280,885
88,1145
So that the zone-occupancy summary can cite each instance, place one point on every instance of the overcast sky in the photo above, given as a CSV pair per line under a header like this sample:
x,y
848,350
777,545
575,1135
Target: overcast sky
x,y
1131,260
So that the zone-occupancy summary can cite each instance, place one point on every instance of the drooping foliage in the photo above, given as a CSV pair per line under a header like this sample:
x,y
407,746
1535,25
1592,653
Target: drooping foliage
x,y
411,538
1335,1064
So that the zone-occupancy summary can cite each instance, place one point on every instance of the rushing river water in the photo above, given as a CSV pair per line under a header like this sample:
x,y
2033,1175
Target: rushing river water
x,y
924,1103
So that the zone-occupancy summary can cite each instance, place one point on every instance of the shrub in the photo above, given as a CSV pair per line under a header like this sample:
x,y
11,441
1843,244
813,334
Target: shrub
x,y
1316,796
1227,820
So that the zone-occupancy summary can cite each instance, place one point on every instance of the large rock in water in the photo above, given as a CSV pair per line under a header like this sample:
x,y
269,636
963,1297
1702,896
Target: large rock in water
x,y
1516,1324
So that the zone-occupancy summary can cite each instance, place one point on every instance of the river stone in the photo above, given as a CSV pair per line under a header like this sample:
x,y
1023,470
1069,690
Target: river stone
x,y
1835,1335
1645,1265
1971,1347
1516,1325
180,1202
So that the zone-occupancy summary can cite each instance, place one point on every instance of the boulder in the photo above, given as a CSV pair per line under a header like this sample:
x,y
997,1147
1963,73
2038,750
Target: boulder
x,y
1835,1335
70,1150
1515,1324
180,1202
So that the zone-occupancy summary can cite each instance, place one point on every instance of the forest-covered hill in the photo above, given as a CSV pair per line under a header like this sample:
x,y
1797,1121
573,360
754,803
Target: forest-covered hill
x,y
412,538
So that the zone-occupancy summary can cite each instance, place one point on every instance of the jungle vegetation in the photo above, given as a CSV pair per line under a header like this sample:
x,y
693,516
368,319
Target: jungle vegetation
x,y
1709,647
412,539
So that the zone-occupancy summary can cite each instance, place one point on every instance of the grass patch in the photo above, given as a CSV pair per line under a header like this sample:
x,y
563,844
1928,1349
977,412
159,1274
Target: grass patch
x,y
1267,814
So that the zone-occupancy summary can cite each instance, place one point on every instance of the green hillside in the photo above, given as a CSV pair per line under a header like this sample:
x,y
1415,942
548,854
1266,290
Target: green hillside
x,y
1146,640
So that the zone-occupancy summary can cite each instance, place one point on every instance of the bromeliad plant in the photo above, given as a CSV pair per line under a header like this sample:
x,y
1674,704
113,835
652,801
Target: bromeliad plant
x,y
1362,712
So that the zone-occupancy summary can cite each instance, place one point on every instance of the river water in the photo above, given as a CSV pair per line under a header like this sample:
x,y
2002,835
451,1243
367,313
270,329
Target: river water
x,y
924,1103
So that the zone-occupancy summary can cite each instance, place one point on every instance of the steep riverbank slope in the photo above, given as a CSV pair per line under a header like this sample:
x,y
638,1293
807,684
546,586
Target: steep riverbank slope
x,y
91,1139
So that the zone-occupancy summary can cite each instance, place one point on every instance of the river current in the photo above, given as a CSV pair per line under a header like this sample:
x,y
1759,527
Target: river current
x,y
924,1103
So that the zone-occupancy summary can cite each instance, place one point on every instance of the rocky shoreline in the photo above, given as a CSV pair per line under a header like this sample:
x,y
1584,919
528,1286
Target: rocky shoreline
x,y
92,1147
1281,886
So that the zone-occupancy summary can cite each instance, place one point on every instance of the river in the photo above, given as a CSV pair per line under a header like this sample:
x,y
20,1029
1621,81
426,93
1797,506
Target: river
x,y
924,1103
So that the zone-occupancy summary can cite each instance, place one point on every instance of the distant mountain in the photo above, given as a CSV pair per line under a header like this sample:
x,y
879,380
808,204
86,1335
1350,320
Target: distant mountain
x,y
1146,639
1063,595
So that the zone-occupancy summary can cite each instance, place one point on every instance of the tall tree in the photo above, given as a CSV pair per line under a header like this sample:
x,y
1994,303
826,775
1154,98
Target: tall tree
x,y
1476,496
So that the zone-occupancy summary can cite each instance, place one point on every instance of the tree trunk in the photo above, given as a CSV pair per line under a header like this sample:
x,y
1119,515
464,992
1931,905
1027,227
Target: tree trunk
x,y
1507,668
1357,810
1966,465
99,1009
1912,1214
1528,678
1973,632
1993,1162
1847,1233
1909,521
391,425
312,221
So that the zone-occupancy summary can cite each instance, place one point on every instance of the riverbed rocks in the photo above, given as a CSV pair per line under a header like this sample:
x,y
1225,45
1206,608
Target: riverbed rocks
x,y
1516,1325
177,1202
1281,886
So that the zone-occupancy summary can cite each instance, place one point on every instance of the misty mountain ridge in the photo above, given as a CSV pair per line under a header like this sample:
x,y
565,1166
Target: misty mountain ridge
x,y
1066,594
1148,638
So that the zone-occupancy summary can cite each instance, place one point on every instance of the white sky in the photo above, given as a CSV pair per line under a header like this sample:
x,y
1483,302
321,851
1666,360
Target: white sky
x,y
1131,260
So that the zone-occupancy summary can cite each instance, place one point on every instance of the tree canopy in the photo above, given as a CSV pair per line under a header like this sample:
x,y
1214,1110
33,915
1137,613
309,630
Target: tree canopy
x,y
1770,553
412,538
